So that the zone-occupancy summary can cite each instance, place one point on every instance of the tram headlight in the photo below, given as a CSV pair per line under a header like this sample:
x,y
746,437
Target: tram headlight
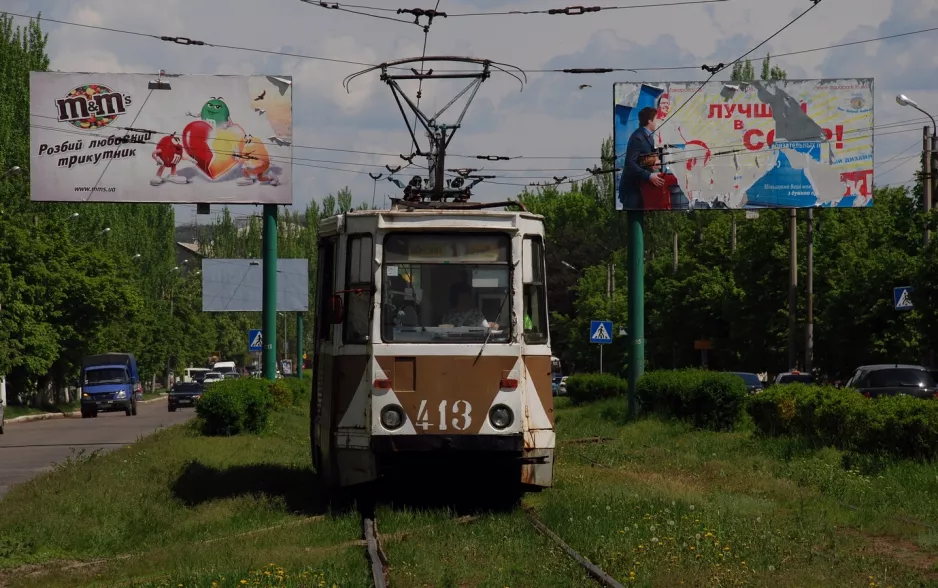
x,y
392,417
501,416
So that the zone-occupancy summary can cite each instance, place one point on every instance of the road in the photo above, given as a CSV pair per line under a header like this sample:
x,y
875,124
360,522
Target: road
x,y
27,449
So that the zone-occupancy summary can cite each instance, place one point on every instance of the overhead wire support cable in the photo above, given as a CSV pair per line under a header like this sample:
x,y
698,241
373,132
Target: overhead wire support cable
x,y
580,10
342,8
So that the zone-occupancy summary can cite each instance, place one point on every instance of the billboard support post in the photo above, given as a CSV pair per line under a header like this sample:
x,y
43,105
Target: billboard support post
x,y
636,296
269,314
809,285
299,345
792,288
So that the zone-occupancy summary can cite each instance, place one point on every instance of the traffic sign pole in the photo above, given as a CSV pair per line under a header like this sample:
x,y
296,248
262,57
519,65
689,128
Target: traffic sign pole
x,y
299,345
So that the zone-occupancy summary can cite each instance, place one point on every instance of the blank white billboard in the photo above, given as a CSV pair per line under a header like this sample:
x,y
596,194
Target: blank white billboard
x,y
237,285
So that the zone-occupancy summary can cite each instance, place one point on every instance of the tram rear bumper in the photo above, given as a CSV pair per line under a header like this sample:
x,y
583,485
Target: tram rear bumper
x,y
446,443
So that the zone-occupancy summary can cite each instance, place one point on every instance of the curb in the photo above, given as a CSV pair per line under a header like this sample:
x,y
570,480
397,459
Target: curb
x,y
62,415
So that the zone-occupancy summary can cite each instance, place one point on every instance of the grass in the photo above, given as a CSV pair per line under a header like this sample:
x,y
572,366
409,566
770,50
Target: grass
x,y
655,504
187,510
660,504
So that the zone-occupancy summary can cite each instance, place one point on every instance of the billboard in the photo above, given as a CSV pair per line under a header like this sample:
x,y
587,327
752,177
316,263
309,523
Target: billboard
x,y
237,285
732,145
140,138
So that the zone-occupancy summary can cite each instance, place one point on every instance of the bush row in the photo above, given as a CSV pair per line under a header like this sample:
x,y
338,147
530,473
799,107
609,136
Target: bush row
x,y
708,400
901,426
582,388
240,405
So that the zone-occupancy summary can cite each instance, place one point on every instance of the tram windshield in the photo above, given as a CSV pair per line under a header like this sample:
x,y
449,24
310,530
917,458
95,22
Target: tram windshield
x,y
452,288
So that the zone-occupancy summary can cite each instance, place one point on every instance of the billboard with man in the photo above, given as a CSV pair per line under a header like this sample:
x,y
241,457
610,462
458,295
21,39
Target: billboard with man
x,y
732,145
143,138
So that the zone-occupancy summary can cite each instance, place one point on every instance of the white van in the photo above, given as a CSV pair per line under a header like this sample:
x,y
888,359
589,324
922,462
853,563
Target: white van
x,y
194,374
224,367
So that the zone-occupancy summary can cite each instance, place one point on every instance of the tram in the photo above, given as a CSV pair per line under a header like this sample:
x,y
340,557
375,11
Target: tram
x,y
432,347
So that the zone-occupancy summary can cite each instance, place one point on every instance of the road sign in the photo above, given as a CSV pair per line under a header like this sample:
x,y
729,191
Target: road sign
x,y
601,332
255,340
901,297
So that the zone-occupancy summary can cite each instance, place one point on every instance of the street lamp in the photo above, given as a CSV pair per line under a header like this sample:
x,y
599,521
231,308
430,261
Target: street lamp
x,y
105,231
904,100
15,170
73,215
169,326
136,256
569,266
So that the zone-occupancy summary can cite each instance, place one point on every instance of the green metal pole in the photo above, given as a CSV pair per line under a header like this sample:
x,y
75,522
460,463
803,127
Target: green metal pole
x,y
269,318
299,345
636,296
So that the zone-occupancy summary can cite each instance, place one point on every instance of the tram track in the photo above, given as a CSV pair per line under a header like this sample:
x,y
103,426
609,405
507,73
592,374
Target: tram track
x,y
379,564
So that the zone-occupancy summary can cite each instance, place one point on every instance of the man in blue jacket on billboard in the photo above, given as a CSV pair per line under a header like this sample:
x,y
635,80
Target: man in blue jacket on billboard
x,y
641,143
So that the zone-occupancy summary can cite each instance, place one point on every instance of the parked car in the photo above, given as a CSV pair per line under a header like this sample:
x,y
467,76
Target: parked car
x,y
211,377
753,383
794,377
562,387
184,394
892,379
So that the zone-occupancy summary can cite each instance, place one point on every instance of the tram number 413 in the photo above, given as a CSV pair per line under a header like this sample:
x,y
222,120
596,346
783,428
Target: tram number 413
x,y
460,408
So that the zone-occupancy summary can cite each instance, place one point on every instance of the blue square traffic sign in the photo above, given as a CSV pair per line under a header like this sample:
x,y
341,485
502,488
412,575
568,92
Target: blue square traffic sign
x,y
255,340
601,332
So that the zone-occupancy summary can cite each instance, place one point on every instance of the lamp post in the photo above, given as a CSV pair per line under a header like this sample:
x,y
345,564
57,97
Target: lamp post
x,y
169,325
929,158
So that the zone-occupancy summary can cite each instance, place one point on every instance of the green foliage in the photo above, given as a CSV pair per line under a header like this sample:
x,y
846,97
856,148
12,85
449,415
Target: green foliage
x,y
300,388
583,388
900,426
229,407
708,400
282,393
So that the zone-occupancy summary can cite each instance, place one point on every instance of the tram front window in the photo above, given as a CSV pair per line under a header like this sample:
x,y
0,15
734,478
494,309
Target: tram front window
x,y
446,288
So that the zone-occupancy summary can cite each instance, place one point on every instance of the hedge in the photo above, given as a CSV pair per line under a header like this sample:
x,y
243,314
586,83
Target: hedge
x,y
900,426
583,388
708,400
233,406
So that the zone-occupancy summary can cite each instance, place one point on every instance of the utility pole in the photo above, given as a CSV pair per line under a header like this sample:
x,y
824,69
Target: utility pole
x,y
809,318
733,231
299,345
674,252
927,174
269,305
792,287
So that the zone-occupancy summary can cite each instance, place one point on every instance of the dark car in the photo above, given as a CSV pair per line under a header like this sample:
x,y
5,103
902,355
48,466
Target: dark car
x,y
892,379
184,394
753,383
794,377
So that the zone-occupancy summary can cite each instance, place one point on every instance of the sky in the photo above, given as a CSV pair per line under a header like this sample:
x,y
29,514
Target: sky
x,y
550,127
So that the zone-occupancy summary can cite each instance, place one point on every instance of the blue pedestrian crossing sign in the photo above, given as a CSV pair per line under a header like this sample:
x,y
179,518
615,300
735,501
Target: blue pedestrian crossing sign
x,y
902,297
601,332
255,340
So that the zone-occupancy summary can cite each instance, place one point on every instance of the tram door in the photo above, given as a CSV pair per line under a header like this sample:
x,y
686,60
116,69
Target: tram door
x,y
321,412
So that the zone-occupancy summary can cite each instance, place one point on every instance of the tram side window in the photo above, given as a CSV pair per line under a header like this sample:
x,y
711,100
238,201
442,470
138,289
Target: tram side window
x,y
360,271
535,291
326,286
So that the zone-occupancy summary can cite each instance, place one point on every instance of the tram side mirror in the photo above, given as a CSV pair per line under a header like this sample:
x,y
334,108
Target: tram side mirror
x,y
334,309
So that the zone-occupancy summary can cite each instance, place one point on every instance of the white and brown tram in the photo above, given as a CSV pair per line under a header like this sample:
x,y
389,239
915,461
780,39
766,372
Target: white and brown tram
x,y
432,346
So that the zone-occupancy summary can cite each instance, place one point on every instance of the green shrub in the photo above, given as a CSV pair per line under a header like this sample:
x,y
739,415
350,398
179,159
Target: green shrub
x,y
708,400
220,410
258,404
282,393
900,426
583,388
301,388
229,407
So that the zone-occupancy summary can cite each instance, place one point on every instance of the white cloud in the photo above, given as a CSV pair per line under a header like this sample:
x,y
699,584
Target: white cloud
x,y
551,117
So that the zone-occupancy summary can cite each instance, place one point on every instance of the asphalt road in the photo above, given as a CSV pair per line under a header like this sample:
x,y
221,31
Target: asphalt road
x,y
27,449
